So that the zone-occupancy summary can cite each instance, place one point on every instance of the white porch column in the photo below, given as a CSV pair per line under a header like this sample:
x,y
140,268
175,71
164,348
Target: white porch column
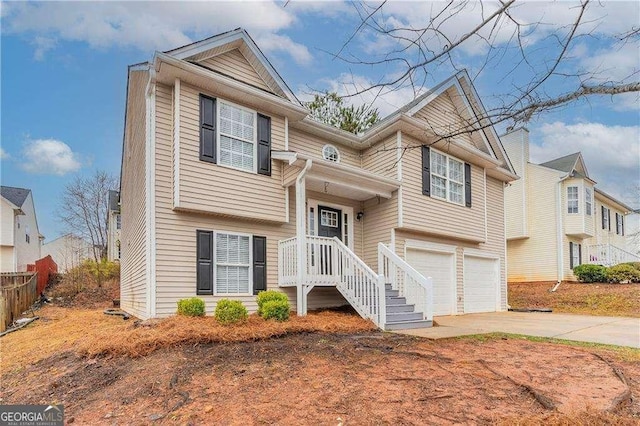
x,y
301,233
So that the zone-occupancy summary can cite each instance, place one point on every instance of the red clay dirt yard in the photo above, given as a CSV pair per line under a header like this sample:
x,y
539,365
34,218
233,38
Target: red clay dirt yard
x,y
328,368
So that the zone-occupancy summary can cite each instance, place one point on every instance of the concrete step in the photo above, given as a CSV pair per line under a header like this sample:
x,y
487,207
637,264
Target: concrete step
x,y
407,325
395,301
399,308
404,316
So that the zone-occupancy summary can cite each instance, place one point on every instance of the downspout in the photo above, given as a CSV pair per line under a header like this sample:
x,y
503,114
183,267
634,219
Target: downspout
x,y
301,305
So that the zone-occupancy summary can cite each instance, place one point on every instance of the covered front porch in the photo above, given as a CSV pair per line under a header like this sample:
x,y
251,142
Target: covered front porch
x,y
322,253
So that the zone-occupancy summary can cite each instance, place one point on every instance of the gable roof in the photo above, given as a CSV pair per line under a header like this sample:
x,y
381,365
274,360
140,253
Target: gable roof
x,y
564,164
238,38
15,196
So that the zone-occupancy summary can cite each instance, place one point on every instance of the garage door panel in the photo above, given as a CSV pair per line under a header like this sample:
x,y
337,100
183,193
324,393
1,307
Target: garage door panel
x,y
481,281
441,268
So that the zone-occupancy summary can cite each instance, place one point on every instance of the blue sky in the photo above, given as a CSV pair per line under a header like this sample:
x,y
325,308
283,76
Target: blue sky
x,y
64,77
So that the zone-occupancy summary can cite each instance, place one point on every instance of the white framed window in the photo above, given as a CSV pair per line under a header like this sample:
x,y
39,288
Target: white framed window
x,y
232,263
236,136
447,177
619,224
329,218
588,201
572,199
575,254
605,218
331,153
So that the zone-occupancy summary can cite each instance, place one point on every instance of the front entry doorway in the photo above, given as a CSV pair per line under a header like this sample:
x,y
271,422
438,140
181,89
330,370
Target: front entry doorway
x,y
330,222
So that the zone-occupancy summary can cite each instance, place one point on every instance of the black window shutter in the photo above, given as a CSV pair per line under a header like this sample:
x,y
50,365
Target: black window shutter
x,y
207,129
617,223
603,212
264,145
622,225
467,184
609,218
426,171
204,255
570,255
579,254
259,264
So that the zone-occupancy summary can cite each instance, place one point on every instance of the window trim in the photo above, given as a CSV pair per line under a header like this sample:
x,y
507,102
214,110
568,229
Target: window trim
x,y
215,263
606,213
446,178
312,222
588,201
219,102
324,156
577,200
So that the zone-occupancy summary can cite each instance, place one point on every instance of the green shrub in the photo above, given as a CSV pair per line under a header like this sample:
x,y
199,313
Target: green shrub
x,y
636,265
623,273
590,273
102,270
193,307
230,311
276,309
268,296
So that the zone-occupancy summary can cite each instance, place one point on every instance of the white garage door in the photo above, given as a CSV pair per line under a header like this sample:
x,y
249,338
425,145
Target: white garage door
x,y
481,282
439,266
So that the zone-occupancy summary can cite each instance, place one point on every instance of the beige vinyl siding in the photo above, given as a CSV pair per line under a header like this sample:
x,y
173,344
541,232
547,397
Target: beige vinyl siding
x,y
575,223
212,188
6,259
382,158
428,214
307,143
604,236
380,218
133,263
516,201
234,64
7,219
535,258
442,116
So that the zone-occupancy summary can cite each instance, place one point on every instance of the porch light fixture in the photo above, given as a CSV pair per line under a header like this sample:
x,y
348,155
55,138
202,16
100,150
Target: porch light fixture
x,y
359,216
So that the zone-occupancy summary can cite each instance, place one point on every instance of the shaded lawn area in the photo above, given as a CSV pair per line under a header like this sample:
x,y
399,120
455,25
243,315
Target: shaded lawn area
x,y
577,298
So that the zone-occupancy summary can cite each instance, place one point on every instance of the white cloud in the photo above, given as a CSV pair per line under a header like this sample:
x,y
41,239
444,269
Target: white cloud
x,y
50,157
614,64
3,154
611,153
149,25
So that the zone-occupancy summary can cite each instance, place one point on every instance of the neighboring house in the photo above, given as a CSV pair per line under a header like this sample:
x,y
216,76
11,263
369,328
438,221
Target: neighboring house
x,y
229,188
557,218
68,251
20,239
114,227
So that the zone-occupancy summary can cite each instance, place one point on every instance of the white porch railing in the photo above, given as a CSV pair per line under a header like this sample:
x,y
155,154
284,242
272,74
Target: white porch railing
x,y
411,284
288,262
609,255
330,262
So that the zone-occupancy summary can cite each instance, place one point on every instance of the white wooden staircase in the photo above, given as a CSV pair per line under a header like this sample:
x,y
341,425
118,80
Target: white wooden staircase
x,y
397,297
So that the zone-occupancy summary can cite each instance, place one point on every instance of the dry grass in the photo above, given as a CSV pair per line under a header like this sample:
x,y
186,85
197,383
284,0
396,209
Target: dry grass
x,y
141,340
579,418
578,298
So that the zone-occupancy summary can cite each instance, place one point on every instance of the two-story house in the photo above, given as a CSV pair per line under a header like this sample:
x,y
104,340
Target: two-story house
x,y
20,239
557,218
114,227
229,188
68,251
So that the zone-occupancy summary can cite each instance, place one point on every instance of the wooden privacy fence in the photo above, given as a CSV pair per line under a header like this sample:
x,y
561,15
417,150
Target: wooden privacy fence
x,y
45,267
18,291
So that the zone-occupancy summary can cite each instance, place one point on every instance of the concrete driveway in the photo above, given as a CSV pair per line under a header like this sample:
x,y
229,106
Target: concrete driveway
x,y
621,331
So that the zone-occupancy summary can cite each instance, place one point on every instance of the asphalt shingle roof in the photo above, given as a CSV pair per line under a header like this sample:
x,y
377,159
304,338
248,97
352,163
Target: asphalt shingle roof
x,y
564,164
14,195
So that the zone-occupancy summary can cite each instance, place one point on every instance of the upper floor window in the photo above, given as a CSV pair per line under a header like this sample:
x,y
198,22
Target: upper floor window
x,y
27,237
606,218
118,222
619,224
445,177
330,153
572,199
234,136
588,201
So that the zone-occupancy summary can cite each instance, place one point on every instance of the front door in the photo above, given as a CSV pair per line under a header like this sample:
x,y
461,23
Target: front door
x,y
329,222
329,225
